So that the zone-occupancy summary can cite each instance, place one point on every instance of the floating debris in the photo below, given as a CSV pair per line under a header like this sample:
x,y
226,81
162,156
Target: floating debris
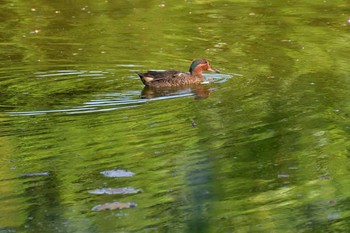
x,y
117,173
332,201
333,216
194,124
114,205
35,174
319,133
113,191
282,176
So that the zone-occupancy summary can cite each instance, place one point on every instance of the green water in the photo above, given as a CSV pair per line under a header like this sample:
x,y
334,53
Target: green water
x,y
264,147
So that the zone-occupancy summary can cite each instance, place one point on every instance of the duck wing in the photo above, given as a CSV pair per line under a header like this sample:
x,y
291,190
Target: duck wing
x,y
164,78
161,75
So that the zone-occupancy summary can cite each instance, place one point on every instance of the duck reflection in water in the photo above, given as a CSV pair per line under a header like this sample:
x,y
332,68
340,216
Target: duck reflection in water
x,y
199,91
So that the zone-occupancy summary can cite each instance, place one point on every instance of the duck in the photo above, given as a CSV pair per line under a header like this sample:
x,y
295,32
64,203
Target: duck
x,y
173,78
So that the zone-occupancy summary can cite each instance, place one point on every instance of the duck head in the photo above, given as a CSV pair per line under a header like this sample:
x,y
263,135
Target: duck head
x,y
199,65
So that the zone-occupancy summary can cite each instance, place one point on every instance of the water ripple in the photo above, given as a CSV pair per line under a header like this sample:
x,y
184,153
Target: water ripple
x,y
99,105
124,99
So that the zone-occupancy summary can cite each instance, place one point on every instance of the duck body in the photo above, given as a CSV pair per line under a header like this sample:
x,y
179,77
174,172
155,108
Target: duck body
x,y
169,78
173,78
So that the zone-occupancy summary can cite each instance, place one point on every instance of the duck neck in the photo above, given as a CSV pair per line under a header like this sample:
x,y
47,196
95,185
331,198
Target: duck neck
x,y
197,71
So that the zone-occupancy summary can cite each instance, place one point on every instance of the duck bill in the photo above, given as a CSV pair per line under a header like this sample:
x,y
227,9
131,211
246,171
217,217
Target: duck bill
x,y
213,70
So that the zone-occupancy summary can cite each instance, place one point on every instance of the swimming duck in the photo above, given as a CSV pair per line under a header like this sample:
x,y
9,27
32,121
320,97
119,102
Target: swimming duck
x,y
171,78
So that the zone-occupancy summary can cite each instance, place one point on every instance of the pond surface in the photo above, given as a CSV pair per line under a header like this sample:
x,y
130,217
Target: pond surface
x,y
263,147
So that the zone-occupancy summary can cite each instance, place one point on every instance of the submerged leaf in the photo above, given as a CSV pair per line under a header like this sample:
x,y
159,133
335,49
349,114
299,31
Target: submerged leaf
x,y
111,191
113,206
117,173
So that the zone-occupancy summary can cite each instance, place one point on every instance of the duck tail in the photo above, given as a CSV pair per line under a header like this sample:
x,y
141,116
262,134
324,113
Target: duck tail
x,y
145,79
142,77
